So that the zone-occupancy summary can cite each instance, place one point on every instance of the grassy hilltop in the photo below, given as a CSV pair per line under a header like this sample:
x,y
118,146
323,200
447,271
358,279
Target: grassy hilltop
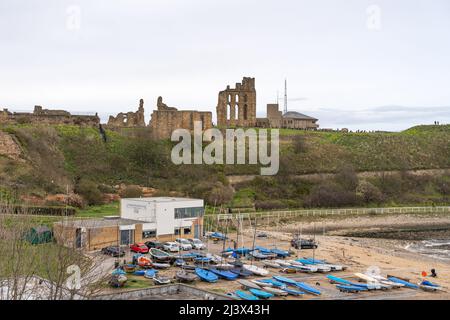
x,y
57,157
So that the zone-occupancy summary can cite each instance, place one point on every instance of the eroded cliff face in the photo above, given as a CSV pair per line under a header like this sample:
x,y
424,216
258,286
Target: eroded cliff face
x,y
9,147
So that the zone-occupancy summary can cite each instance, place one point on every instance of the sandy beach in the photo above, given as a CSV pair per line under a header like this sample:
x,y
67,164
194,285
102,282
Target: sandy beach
x,y
358,254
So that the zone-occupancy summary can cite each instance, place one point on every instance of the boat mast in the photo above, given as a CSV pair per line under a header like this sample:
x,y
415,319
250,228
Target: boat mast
x,y
254,240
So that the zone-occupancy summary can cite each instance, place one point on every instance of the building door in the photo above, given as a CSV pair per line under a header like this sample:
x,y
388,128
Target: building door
x,y
126,237
78,238
197,231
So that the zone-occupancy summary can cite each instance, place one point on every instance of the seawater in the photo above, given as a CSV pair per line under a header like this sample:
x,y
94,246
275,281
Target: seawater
x,y
436,248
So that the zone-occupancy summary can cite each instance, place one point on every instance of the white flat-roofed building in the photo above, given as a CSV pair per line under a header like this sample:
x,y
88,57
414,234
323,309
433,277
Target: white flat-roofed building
x,y
165,218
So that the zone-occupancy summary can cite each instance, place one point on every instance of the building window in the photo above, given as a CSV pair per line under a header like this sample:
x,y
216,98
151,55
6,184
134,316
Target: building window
x,y
184,213
177,232
148,234
187,231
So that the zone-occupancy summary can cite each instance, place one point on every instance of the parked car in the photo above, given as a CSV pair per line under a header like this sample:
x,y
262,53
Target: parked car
x,y
114,251
139,248
171,247
197,244
154,244
184,244
303,244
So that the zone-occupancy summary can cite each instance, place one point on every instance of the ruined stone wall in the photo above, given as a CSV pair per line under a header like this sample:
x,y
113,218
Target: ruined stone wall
x,y
167,119
237,107
45,116
129,119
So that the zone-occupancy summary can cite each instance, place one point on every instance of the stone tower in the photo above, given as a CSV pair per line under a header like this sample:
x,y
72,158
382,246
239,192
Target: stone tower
x,y
237,107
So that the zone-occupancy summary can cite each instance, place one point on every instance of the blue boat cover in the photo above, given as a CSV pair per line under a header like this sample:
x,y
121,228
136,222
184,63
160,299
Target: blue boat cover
x,y
293,292
273,282
119,272
150,273
228,275
206,275
139,273
406,283
261,294
285,280
350,288
244,295
280,253
307,288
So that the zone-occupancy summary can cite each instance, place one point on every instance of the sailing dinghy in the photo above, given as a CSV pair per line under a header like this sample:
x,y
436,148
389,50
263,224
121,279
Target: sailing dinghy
x,y
249,284
256,270
308,289
293,292
245,296
275,291
227,275
289,281
206,275
241,272
271,264
429,286
160,255
261,294
184,276
405,283
350,289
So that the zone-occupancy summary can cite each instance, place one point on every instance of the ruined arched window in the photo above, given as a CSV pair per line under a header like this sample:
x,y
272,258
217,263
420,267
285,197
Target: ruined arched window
x,y
245,112
228,111
245,98
237,98
202,119
229,98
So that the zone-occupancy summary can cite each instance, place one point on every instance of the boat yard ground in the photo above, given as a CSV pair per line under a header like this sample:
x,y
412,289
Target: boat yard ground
x,y
359,254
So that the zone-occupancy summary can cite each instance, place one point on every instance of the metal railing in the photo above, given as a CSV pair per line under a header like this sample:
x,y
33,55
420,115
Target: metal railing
x,y
325,212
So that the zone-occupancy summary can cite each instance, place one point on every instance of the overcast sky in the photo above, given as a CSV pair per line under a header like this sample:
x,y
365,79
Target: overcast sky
x,y
353,63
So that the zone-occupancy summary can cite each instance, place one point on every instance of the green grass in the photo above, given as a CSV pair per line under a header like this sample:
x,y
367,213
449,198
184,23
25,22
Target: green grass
x,y
110,209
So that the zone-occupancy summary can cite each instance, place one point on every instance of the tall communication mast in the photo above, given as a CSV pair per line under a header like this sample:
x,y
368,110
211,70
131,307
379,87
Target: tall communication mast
x,y
285,96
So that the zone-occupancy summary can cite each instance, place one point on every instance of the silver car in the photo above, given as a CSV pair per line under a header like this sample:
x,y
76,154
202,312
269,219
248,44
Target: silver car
x,y
197,244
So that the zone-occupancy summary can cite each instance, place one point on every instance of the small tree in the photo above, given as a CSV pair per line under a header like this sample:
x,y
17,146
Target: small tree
x,y
368,192
89,191
347,178
132,191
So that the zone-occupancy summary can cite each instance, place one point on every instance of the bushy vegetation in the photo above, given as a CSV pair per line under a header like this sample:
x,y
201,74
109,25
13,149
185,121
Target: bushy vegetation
x,y
58,158
345,189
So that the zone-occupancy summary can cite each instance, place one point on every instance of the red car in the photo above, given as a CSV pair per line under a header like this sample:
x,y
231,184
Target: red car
x,y
139,248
